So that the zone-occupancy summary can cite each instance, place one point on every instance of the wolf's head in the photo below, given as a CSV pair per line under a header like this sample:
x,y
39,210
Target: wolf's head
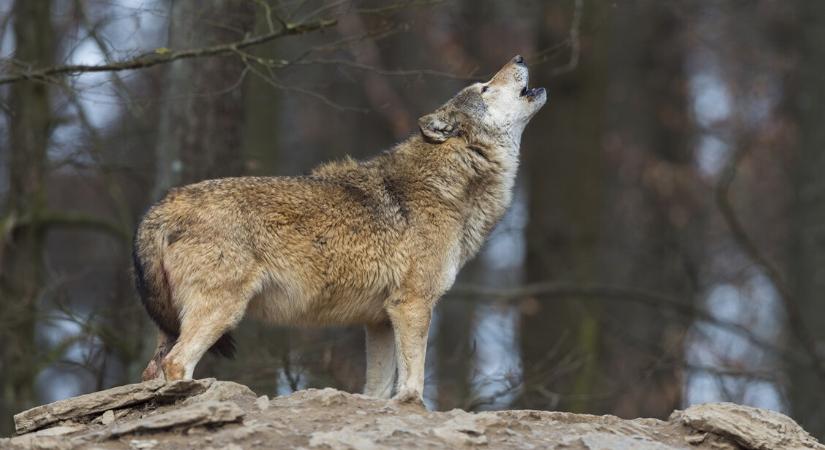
x,y
494,112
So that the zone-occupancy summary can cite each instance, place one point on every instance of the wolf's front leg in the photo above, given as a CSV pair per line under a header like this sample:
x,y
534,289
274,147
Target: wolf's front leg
x,y
381,360
411,322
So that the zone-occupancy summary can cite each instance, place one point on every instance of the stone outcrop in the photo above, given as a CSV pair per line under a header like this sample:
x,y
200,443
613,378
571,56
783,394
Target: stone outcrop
x,y
216,414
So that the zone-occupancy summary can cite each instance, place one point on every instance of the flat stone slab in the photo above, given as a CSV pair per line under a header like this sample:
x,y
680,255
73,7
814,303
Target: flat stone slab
x,y
98,402
209,412
752,428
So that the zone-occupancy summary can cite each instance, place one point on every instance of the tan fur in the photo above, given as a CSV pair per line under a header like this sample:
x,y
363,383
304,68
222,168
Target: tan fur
x,y
374,243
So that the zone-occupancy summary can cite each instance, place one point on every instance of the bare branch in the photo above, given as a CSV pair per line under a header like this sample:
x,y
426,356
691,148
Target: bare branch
x,y
122,88
67,219
381,95
268,11
270,80
163,56
618,293
387,72
95,150
381,10
796,324
573,39
737,229
397,6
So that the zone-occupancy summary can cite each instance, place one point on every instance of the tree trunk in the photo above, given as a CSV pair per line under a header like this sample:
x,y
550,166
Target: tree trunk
x,y
202,122
21,277
454,352
200,130
807,255
564,176
652,218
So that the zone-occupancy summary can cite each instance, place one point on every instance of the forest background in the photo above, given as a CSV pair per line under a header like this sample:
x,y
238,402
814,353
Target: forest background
x,y
666,245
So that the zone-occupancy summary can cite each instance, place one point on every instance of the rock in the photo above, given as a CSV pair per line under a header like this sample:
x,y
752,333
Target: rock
x,y
206,413
41,416
222,391
183,388
108,417
603,440
751,428
696,439
96,402
377,432
139,444
343,440
262,402
220,415
327,396
463,430
60,430
32,441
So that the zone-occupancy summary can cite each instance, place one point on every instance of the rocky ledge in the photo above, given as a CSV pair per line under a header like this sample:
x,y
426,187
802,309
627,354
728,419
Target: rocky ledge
x,y
217,414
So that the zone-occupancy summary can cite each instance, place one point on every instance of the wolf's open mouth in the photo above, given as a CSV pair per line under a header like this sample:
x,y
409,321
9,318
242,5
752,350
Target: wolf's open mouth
x,y
530,93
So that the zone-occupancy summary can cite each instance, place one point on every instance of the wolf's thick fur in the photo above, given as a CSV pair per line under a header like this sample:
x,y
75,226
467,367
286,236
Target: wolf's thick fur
x,y
374,243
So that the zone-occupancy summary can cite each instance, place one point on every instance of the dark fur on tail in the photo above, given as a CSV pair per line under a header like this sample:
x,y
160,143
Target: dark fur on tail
x,y
153,288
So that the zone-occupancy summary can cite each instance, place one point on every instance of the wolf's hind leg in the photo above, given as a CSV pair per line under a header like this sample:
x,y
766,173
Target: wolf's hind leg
x,y
411,323
204,322
381,362
153,369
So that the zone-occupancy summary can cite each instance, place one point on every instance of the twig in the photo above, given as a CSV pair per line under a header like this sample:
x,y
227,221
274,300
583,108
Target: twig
x,y
398,6
122,89
387,72
573,38
95,151
268,15
270,80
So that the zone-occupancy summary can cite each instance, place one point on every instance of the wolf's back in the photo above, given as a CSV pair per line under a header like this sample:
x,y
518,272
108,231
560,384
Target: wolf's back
x,y
152,281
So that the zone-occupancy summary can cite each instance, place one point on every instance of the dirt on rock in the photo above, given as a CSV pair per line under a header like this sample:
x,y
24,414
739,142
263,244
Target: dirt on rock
x,y
224,415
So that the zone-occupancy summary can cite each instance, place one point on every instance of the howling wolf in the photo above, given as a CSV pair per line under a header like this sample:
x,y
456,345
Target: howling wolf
x,y
374,243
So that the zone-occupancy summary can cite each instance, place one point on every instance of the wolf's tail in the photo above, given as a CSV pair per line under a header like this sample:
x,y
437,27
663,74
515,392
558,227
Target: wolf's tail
x,y
152,285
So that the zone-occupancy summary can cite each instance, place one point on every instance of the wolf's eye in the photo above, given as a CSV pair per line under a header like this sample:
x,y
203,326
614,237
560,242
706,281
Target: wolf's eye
x,y
484,89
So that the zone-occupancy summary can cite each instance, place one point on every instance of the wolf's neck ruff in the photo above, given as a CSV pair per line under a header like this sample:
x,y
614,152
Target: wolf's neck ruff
x,y
471,183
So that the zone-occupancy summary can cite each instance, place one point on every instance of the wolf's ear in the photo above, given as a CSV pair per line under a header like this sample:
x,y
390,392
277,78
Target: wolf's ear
x,y
437,127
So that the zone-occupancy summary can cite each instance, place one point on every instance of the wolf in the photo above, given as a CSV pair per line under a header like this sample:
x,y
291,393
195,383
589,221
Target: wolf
x,y
372,243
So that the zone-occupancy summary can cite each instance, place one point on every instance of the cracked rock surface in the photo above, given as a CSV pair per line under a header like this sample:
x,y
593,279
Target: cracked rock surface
x,y
217,414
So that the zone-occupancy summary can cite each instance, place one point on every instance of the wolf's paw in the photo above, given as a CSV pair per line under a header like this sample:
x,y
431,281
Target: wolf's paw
x,y
409,397
152,371
172,371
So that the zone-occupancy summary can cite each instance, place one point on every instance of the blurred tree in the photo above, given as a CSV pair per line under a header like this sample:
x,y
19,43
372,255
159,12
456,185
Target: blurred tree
x,y
807,255
257,366
454,349
564,171
652,216
21,266
617,207
202,119
118,195
261,113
